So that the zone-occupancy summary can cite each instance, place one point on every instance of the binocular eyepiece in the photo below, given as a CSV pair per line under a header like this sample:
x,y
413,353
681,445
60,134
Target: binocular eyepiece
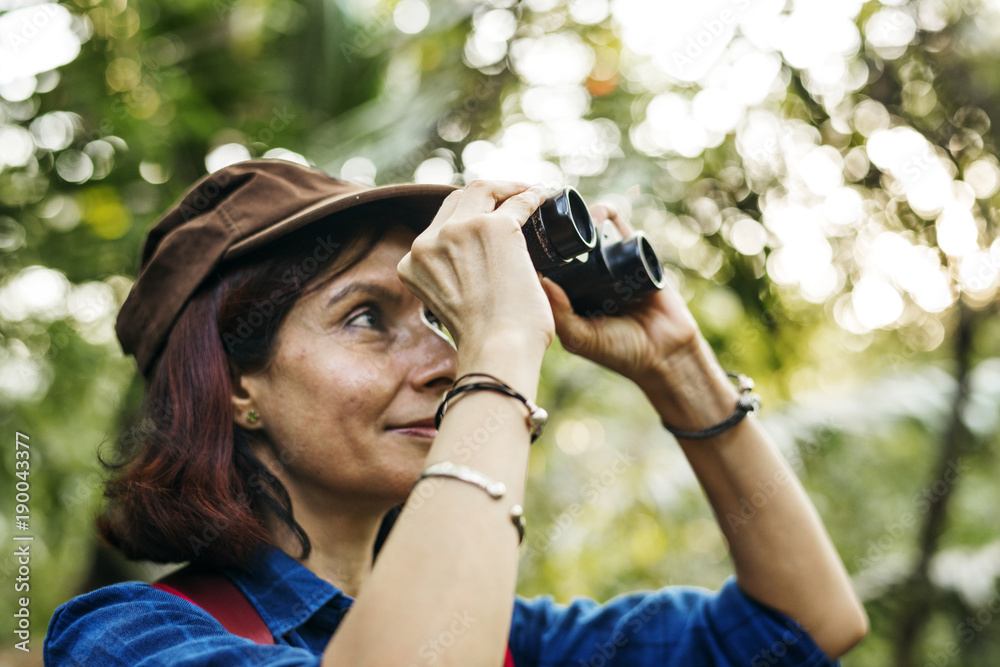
x,y
611,275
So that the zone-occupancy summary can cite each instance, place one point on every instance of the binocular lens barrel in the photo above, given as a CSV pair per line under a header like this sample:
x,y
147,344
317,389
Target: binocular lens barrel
x,y
559,230
614,275
634,257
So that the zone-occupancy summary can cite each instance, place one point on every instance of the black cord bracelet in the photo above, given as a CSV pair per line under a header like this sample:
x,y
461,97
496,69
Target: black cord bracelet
x,y
747,403
537,417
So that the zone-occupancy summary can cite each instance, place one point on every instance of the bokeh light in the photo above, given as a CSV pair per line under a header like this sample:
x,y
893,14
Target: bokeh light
x,y
225,155
411,16
36,39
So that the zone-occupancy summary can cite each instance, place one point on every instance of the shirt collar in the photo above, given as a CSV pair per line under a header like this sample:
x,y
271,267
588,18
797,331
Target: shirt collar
x,y
286,593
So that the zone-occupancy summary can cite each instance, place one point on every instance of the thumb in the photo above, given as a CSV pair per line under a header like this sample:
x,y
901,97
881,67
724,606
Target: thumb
x,y
575,332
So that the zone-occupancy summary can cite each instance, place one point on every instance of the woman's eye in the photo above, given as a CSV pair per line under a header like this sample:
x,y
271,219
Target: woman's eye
x,y
432,318
368,318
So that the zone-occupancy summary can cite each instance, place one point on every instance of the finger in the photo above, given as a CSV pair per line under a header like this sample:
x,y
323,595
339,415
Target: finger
x,y
447,209
575,332
404,270
521,206
600,212
480,197
408,274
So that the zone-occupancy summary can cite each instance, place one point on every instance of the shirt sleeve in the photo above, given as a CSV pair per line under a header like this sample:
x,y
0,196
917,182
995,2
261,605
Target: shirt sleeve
x,y
674,626
138,625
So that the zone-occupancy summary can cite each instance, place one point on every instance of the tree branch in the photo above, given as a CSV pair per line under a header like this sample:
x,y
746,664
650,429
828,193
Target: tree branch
x,y
917,590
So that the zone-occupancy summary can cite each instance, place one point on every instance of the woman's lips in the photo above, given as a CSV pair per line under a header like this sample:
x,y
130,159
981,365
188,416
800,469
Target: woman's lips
x,y
417,431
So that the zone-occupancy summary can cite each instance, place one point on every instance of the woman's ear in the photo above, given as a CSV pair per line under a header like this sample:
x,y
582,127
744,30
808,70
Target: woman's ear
x,y
245,408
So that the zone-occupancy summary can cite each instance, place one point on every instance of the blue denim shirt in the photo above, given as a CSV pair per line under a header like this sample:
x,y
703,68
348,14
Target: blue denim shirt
x,y
133,623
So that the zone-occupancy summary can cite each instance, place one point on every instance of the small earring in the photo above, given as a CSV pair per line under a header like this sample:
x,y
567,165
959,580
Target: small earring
x,y
252,416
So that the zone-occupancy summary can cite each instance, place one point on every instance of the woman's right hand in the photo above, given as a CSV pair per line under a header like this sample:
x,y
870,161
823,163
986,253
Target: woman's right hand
x,y
471,267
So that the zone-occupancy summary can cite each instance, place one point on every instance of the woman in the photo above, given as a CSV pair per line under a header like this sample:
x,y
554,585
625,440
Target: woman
x,y
282,321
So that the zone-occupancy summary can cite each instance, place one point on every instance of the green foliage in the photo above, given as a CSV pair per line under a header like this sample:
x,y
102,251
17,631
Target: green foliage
x,y
858,381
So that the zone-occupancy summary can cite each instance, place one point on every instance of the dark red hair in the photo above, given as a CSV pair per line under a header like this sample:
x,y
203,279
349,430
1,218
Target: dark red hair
x,y
185,483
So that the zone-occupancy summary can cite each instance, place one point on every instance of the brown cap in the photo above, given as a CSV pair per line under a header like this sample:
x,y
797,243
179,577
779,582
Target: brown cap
x,y
228,213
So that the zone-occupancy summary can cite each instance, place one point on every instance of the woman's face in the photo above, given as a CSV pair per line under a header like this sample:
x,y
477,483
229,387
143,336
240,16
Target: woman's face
x,y
349,399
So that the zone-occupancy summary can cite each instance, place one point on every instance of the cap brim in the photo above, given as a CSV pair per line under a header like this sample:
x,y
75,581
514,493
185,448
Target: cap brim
x,y
423,199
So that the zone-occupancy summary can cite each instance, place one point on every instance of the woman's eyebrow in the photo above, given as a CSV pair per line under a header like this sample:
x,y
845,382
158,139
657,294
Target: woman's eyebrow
x,y
373,289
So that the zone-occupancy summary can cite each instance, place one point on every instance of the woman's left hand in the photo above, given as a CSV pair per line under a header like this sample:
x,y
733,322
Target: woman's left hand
x,y
637,343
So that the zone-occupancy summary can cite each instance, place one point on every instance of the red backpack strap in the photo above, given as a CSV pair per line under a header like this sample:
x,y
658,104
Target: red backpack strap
x,y
218,596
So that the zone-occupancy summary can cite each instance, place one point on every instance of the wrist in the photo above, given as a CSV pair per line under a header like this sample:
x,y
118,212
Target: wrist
x,y
690,390
515,358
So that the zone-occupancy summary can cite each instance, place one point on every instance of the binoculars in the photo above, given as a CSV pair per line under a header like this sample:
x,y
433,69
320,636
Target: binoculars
x,y
600,277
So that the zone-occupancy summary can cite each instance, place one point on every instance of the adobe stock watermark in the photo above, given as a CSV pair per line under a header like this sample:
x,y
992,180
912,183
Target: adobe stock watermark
x,y
986,272
590,158
891,26
705,35
458,114
766,489
967,631
22,549
590,491
223,7
629,288
33,20
746,340
919,163
151,77
471,443
279,121
776,652
257,485
430,651
749,507
922,501
361,37
295,276
621,637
